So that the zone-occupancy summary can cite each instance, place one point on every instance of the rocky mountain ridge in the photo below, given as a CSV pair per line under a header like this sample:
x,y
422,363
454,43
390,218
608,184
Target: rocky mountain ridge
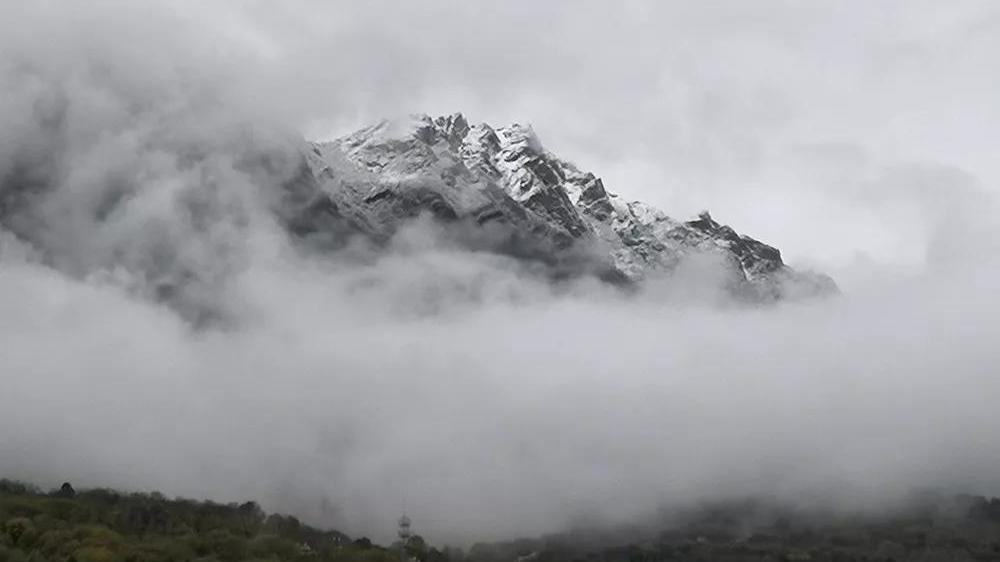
x,y
456,171
175,219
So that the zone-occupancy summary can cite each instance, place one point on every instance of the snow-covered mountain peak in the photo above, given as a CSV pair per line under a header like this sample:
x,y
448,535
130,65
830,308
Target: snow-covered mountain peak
x,y
496,189
456,170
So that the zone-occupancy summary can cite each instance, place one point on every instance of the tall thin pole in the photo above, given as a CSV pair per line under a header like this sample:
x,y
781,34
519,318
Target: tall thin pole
x,y
404,536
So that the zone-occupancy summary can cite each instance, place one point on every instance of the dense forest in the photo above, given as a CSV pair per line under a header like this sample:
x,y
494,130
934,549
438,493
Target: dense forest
x,y
100,525
65,525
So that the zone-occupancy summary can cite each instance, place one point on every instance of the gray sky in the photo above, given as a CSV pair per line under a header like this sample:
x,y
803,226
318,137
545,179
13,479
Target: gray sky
x,y
855,136
831,130
828,129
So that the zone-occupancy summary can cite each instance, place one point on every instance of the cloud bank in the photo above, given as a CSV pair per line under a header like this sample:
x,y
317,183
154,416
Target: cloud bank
x,y
450,384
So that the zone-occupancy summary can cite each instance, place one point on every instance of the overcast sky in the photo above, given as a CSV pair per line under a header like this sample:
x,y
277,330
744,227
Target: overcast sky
x,y
831,129
858,137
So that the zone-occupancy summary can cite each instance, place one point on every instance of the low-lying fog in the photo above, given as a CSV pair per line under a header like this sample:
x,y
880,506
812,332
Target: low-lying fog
x,y
449,384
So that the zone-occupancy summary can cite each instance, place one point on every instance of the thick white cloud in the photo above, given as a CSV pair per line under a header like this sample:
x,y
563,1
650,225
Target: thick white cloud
x,y
450,384
687,106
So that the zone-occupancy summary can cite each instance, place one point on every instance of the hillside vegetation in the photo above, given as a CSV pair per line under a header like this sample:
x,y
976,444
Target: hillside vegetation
x,y
107,526
65,525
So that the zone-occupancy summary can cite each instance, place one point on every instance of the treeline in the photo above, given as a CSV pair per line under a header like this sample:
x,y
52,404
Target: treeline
x,y
928,528
64,525
102,525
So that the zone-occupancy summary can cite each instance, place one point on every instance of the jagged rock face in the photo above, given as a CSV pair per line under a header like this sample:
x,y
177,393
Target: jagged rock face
x,y
457,171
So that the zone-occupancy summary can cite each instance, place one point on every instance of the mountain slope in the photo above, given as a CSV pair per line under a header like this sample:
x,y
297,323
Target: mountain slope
x,y
505,176
178,214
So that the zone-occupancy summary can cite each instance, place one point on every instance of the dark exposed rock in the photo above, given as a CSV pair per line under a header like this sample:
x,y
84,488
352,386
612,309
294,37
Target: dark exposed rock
x,y
497,190
505,177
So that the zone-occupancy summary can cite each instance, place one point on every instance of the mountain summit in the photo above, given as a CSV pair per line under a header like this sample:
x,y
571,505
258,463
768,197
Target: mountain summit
x,y
175,212
503,179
